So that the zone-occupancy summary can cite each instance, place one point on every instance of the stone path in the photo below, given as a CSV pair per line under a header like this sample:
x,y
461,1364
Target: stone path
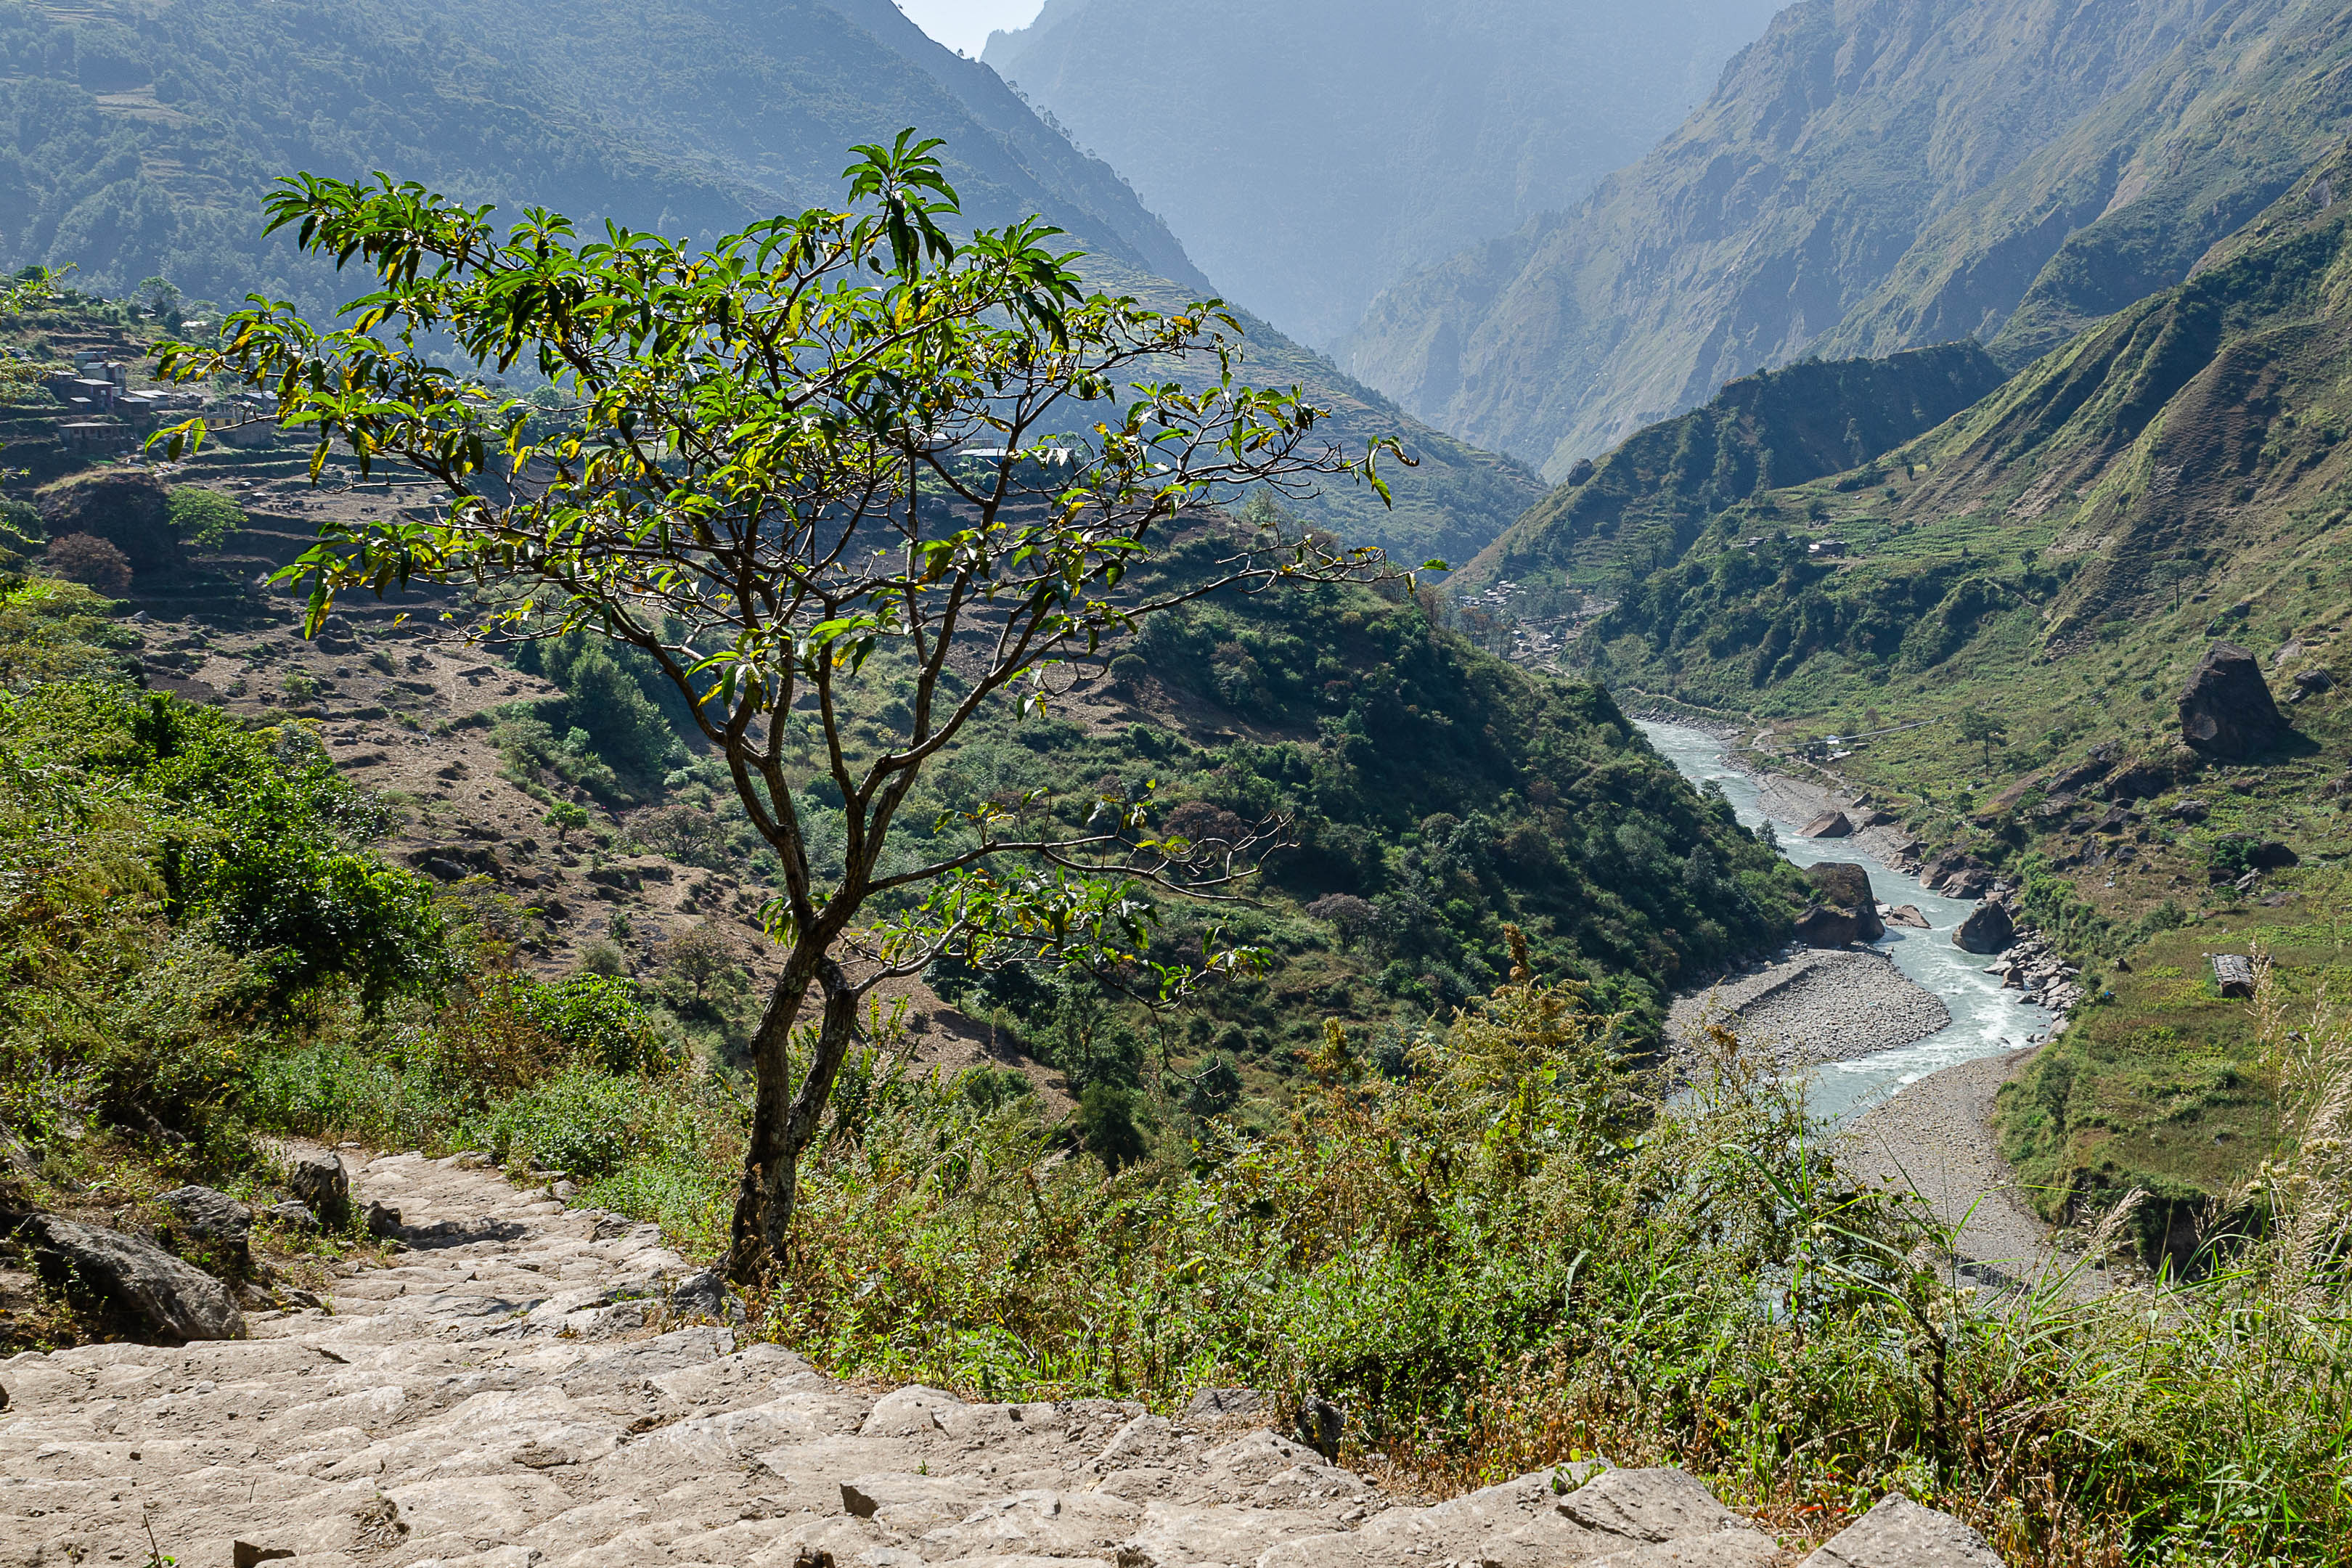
x,y
515,1393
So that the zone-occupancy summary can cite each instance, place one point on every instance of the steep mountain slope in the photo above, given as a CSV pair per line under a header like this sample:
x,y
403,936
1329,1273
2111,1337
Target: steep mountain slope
x,y
1311,151
2132,195
2186,452
2034,586
1872,174
1642,506
141,143
143,137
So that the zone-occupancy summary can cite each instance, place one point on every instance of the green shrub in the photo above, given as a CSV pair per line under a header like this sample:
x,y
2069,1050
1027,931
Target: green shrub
x,y
206,519
583,1122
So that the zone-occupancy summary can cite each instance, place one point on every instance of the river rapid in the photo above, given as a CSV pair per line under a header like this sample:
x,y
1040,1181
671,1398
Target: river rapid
x,y
1986,1019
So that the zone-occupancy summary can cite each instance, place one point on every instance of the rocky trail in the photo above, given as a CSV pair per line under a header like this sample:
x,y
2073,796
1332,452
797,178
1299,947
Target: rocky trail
x,y
529,1384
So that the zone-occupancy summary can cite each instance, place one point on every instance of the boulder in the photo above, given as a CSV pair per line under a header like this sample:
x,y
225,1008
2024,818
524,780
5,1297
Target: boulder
x,y
1900,1533
209,1221
1969,883
1320,1426
1825,927
125,507
1987,930
137,1276
1828,824
2226,709
292,1214
1906,915
2311,683
1845,886
317,1179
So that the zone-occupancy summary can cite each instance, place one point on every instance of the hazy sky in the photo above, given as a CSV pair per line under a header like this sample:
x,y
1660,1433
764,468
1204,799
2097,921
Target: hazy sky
x,y
966,24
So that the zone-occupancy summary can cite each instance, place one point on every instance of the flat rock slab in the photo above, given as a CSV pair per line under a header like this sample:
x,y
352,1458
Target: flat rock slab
x,y
528,1388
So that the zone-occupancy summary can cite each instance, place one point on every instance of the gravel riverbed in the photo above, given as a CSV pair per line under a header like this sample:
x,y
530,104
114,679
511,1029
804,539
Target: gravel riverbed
x,y
1935,1138
1815,1007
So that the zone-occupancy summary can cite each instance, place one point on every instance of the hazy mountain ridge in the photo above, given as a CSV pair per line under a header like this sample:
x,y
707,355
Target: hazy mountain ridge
x,y
2190,447
1313,150
144,141
1872,174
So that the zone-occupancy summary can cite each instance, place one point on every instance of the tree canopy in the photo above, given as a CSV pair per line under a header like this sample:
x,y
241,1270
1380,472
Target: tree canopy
x,y
833,445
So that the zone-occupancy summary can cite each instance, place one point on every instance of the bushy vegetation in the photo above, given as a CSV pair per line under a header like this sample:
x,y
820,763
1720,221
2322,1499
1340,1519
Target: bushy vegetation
x,y
56,631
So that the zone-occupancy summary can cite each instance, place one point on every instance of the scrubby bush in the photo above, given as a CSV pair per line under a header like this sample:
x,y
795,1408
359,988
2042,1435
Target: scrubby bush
x,y
583,1122
609,701
1509,1253
57,631
90,561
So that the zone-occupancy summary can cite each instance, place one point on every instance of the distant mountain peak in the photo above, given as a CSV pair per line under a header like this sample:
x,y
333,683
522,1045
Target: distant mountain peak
x,y
1872,175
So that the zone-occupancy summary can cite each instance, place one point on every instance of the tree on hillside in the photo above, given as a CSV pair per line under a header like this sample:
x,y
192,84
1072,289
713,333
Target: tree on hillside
x,y
846,445
1979,728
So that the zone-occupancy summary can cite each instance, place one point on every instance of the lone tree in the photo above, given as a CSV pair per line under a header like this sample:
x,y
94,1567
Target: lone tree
x,y
850,444
1983,729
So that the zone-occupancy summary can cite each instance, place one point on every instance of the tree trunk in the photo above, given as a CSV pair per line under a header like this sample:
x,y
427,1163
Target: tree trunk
x,y
784,1123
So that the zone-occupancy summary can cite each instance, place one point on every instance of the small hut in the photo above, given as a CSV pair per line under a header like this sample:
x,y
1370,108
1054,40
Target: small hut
x,y
2233,973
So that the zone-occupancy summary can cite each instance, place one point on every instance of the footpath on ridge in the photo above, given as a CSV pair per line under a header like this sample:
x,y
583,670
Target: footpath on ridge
x,y
522,1390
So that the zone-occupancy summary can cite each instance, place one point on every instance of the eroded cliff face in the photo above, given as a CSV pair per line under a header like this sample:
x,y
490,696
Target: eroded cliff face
x,y
1872,175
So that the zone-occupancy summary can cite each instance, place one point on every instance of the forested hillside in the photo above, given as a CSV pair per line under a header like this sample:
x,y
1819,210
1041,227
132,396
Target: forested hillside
x,y
142,138
1311,151
1870,176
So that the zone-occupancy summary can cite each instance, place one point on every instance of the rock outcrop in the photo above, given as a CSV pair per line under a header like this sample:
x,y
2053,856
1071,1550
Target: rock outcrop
x,y
515,1391
320,1184
133,1275
2226,709
209,1221
1900,1533
1987,930
1830,825
1844,886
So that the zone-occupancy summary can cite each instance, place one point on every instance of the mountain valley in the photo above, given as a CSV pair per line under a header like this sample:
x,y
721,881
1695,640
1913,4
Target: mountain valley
x,y
1646,866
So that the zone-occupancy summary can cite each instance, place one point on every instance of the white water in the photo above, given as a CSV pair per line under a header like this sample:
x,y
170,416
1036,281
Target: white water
x,y
1986,1020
